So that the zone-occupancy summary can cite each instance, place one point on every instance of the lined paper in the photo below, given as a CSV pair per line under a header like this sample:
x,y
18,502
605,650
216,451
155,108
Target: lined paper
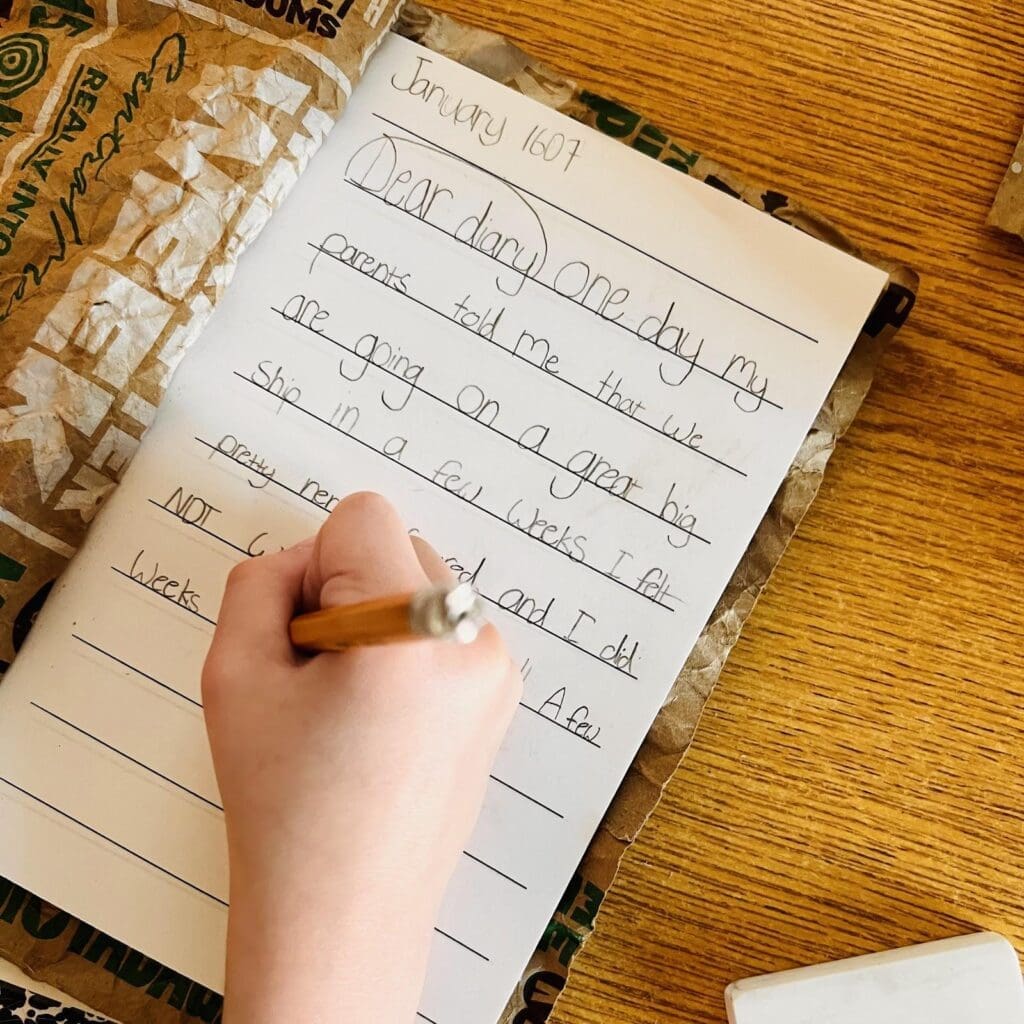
x,y
580,374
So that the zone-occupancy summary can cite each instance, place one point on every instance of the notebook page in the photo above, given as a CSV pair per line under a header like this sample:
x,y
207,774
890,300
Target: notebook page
x,y
580,374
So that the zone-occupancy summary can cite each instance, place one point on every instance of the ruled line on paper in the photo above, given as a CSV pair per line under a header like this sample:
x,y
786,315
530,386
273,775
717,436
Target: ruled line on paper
x,y
600,230
163,597
526,796
497,871
559,725
113,842
464,945
560,379
420,390
203,529
128,757
137,671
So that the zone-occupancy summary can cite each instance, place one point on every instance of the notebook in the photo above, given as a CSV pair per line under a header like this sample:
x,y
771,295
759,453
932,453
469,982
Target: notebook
x,y
581,375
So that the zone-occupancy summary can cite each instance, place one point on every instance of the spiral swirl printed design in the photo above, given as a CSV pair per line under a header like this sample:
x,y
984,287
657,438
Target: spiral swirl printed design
x,y
23,57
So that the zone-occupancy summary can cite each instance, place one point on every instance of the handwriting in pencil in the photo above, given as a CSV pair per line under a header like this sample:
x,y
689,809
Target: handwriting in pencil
x,y
146,570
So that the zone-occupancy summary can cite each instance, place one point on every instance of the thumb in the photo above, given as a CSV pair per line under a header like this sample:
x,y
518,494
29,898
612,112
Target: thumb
x,y
363,551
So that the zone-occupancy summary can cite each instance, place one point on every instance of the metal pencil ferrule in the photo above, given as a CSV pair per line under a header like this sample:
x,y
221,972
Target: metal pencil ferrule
x,y
453,613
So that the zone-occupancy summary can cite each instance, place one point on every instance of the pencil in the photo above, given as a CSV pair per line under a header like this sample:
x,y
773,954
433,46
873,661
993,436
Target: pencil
x,y
450,612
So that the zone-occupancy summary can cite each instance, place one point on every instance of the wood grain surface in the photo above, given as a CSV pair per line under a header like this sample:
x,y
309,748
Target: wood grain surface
x,y
858,780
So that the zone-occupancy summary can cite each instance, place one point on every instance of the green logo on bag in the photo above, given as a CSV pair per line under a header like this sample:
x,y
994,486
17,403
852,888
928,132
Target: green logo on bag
x,y
23,57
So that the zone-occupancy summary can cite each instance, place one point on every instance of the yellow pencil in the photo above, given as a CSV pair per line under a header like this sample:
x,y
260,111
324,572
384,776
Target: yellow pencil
x,y
451,612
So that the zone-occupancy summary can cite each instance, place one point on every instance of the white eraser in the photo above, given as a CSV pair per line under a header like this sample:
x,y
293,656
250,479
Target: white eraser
x,y
975,979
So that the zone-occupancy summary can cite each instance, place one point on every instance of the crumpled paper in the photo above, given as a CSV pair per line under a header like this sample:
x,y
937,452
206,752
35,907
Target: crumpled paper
x,y
119,286
1008,210
143,145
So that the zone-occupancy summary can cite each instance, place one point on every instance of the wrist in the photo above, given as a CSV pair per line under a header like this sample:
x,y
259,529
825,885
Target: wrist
x,y
325,941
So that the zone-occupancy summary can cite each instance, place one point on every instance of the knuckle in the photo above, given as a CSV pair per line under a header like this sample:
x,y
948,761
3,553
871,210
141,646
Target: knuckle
x,y
242,572
213,678
224,680
369,504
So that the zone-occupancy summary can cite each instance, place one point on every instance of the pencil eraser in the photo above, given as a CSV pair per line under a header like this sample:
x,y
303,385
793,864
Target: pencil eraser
x,y
975,979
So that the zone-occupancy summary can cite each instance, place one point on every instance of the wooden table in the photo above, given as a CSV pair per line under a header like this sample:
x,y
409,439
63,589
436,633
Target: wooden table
x,y
858,780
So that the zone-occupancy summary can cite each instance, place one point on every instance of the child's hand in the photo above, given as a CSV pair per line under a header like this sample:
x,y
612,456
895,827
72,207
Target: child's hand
x,y
351,781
